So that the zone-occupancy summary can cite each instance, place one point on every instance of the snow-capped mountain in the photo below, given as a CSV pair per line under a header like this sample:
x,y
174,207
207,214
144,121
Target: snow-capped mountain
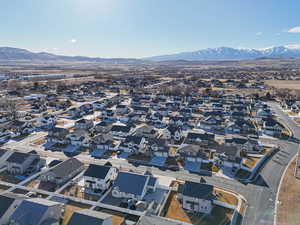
x,y
227,53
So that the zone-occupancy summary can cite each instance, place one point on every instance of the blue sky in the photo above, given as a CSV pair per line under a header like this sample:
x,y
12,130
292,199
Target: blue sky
x,y
138,28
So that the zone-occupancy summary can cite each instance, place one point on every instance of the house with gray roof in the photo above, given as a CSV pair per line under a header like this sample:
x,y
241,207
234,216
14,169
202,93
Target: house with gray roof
x,y
63,172
150,220
197,197
132,186
90,217
37,211
8,203
20,163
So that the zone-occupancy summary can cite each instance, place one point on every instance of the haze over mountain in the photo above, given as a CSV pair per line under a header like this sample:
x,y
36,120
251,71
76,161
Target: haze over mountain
x,y
227,53
8,53
222,53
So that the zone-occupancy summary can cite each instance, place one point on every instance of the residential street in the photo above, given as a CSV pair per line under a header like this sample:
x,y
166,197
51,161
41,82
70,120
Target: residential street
x,y
260,196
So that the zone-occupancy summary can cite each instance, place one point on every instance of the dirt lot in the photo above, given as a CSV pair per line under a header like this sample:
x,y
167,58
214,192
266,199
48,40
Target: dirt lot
x,y
226,197
285,84
74,190
6,177
289,197
297,121
219,215
70,208
250,162
39,141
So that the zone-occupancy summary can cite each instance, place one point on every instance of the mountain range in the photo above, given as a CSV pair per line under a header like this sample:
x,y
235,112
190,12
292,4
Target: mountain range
x,y
222,53
227,53
8,53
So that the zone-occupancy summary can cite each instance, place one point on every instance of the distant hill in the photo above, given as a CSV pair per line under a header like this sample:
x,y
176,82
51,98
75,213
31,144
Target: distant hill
x,y
8,53
226,53
209,54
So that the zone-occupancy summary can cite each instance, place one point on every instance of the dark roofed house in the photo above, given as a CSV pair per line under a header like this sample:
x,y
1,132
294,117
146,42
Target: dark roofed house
x,y
120,130
197,197
99,178
133,144
37,211
8,203
203,139
131,186
155,220
63,172
84,124
90,217
20,162
228,156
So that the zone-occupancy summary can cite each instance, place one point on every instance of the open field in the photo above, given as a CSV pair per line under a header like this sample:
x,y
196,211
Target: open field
x,y
284,84
289,199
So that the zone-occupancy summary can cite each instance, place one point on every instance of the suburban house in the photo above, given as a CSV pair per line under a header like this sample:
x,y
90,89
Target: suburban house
x,y
202,139
158,147
63,172
193,153
156,220
90,217
84,124
20,127
9,203
102,127
4,155
58,135
103,142
146,131
98,178
272,127
79,138
21,163
228,156
133,144
120,130
197,197
133,186
122,109
172,132
244,144
47,121
37,211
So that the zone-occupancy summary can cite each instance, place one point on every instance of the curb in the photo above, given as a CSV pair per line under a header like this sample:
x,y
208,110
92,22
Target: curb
x,y
279,187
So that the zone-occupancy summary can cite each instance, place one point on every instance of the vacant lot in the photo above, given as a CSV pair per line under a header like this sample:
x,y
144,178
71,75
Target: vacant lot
x,y
289,199
284,84
75,191
6,177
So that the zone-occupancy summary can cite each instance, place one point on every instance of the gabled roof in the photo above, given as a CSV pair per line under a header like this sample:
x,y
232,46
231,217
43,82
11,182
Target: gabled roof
x,y
132,183
120,128
97,171
66,167
6,200
198,190
201,136
150,220
133,139
31,211
89,217
18,157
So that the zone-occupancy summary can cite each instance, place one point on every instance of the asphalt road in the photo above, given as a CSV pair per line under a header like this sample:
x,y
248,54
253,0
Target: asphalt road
x,y
261,195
